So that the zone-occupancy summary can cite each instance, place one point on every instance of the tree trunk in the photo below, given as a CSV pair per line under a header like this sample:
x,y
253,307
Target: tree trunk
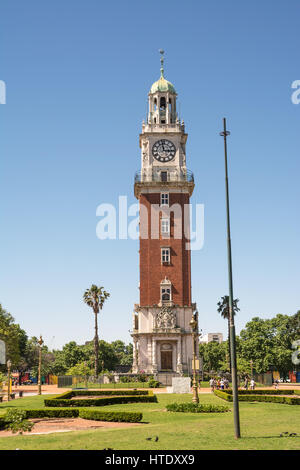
x,y
96,346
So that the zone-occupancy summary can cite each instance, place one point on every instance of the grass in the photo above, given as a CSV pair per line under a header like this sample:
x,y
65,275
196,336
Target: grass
x,y
261,426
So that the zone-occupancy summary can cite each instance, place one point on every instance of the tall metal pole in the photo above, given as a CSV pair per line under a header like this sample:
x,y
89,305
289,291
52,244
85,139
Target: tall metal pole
x,y
235,397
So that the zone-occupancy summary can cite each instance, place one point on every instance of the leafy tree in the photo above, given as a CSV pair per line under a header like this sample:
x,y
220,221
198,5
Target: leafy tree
x,y
214,355
14,337
107,356
81,369
223,309
123,352
31,358
268,344
95,298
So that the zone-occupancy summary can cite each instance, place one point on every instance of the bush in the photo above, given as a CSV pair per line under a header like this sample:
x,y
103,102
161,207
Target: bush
x,y
153,383
196,408
16,421
123,416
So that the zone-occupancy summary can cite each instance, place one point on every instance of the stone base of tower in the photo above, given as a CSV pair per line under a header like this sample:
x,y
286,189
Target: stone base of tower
x,y
162,340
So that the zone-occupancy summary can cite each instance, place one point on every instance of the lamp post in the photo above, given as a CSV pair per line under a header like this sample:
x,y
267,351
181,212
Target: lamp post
x,y
194,326
40,341
8,378
235,397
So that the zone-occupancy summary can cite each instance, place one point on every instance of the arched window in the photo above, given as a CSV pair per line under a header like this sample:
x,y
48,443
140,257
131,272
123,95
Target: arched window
x,y
162,106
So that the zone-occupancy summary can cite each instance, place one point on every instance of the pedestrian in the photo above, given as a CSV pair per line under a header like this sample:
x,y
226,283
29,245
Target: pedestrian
x,y
218,384
222,384
212,384
276,382
246,383
252,384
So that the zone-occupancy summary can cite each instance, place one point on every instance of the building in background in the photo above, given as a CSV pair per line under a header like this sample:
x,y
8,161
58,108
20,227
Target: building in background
x,y
209,337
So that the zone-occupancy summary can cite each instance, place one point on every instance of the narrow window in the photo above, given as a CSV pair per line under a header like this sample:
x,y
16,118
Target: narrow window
x,y
165,294
165,226
162,103
164,199
165,255
164,176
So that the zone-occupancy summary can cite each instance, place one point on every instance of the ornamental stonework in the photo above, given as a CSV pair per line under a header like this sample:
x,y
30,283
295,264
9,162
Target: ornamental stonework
x,y
166,318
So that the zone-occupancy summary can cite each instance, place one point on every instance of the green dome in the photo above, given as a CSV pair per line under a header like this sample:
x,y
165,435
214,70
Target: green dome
x,y
162,85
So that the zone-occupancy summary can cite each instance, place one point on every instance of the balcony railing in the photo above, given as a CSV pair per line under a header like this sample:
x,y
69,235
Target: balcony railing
x,y
164,176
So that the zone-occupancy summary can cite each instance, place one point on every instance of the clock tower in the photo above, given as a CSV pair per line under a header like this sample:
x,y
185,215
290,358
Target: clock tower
x,y
162,336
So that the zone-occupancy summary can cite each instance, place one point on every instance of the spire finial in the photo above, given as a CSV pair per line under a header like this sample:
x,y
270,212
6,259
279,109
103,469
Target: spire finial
x,y
162,62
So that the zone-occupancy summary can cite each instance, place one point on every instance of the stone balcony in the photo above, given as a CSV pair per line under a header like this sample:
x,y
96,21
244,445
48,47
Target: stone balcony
x,y
150,178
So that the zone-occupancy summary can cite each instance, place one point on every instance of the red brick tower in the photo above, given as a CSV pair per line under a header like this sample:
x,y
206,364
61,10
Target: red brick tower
x,y
161,331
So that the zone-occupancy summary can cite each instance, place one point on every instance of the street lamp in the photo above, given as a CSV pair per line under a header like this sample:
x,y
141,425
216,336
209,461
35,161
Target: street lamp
x,y
194,327
235,398
40,341
8,378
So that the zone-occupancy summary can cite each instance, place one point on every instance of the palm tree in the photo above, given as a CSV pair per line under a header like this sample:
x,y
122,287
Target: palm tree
x,y
223,309
95,298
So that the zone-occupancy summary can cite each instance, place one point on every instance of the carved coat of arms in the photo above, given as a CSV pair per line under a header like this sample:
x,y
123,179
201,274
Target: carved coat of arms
x,y
166,318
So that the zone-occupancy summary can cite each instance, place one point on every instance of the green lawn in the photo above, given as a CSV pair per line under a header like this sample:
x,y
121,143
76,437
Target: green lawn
x,y
261,425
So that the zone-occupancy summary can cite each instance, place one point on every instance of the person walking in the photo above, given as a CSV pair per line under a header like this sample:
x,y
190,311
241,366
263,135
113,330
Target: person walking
x,y
212,384
252,384
246,383
222,384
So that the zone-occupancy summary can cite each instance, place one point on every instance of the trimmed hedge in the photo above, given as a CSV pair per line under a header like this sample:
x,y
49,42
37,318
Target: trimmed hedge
x,y
196,408
223,395
263,392
64,400
52,413
119,416
259,397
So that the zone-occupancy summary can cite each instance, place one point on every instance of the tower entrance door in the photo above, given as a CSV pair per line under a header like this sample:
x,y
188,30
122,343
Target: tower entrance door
x,y
166,360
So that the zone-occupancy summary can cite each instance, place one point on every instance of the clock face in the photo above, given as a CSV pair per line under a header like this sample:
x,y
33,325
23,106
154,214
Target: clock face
x,y
164,150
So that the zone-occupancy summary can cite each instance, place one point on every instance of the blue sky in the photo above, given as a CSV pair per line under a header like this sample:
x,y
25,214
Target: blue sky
x,y
77,76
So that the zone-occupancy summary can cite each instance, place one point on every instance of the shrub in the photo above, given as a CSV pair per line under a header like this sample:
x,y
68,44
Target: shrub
x,y
121,416
196,408
153,383
16,421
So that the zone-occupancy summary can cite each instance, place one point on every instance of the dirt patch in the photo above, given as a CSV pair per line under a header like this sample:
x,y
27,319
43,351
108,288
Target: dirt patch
x,y
50,425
